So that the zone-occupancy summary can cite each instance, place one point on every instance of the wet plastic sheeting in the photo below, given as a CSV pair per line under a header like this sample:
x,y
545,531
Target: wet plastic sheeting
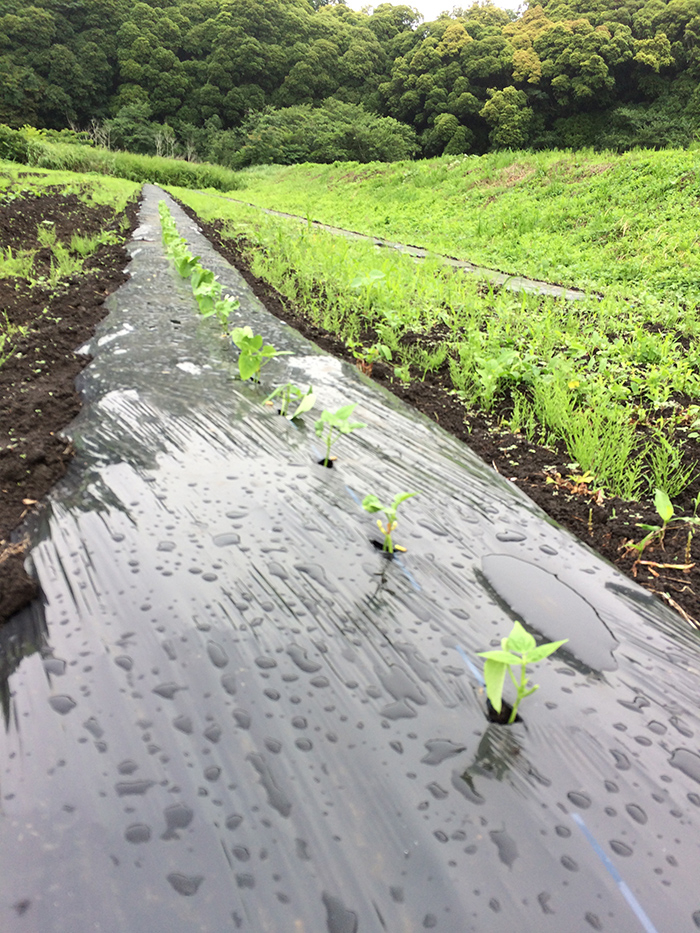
x,y
242,716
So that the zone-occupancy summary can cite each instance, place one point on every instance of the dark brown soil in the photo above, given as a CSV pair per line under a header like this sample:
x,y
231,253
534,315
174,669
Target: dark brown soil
x,y
38,398
37,382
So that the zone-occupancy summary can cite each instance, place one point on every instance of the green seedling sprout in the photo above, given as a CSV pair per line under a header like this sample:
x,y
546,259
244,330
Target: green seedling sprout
x,y
371,504
335,423
517,650
289,392
366,357
665,511
253,355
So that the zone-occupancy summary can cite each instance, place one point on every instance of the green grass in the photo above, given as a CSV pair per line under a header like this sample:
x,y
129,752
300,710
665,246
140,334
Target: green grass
x,y
40,153
602,221
93,189
602,376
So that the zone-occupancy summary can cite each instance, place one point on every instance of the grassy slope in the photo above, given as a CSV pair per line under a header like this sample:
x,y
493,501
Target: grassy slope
x,y
18,180
594,220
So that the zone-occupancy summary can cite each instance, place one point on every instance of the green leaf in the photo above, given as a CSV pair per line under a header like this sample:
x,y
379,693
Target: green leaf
x,y
663,506
248,365
494,675
402,496
206,305
345,427
306,404
344,412
239,334
543,651
371,504
503,657
519,639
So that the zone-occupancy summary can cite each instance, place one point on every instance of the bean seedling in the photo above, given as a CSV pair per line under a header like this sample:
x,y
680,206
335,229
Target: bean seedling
x,y
371,504
253,355
335,423
366,357
289,392
519,648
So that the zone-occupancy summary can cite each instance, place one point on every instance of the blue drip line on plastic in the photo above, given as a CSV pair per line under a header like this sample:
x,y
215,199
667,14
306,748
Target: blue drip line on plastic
x,y
354,495
472,667
616,876
407,573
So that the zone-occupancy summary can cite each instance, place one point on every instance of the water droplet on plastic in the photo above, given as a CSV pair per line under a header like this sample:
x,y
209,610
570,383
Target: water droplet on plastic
x,y
622,762
137,832
62,704
637,814
94,728
184,724
187,885
582,801
275,795
226,540
55,666
512,536
507,849
302,849
440,750
217,655
132,788
317,574
167,691
298,655
242,718
637,705
213,733
127,767
687,762
338,918
619,848
439,793
228,682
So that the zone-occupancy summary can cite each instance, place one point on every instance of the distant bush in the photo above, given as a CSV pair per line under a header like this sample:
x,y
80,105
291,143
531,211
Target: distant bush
x,y
32,147
13,146
334,132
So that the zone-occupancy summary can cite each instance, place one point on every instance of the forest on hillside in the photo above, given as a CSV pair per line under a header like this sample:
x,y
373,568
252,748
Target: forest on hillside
x,y
243,82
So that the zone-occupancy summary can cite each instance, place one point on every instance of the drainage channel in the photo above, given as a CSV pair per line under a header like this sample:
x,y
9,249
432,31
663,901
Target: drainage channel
x,y
230,711
510,281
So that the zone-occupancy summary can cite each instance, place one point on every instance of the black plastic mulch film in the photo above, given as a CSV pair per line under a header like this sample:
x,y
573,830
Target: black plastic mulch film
x,y
232,712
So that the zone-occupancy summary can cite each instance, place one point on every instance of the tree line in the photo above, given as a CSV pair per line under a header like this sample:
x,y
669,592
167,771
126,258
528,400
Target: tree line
x,y
252,81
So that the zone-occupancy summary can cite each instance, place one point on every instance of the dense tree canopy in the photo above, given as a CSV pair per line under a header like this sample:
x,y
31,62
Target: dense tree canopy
x,y
206,78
